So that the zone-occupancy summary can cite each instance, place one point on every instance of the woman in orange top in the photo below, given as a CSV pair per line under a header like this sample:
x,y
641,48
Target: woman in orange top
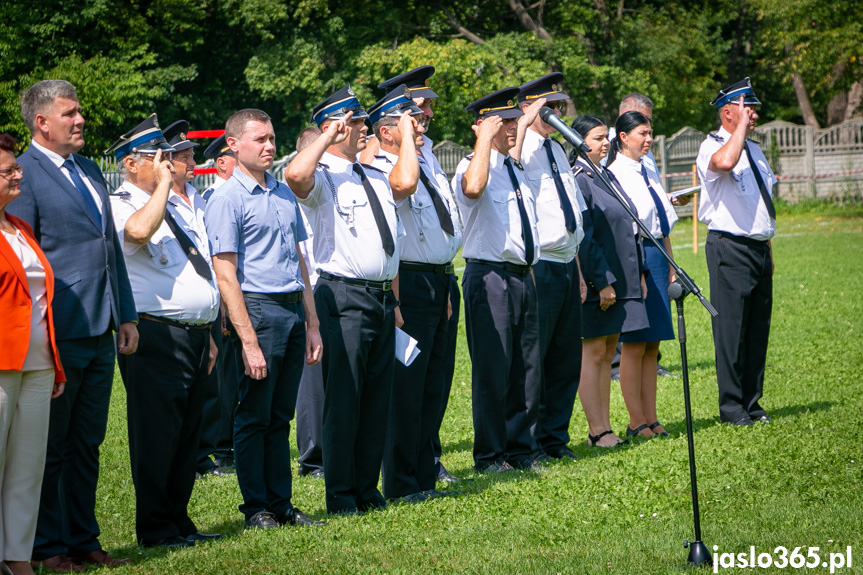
x,y
30,372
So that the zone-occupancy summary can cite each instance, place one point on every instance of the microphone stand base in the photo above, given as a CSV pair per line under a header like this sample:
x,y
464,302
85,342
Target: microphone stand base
x,y
698,553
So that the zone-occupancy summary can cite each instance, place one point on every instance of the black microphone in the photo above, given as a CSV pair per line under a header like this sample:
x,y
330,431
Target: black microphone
x,y
676,289
549,117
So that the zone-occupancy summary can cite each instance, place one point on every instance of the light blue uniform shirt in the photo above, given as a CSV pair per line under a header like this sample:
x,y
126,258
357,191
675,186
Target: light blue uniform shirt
x,y
261,226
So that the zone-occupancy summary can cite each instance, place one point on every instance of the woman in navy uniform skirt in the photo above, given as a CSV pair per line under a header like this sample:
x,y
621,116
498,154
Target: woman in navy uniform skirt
x,y
639,348
612,265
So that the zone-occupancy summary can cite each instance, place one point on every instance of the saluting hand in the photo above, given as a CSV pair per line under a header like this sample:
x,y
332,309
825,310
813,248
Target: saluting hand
x,y
338,130
407,126
532,112
488,129
162,169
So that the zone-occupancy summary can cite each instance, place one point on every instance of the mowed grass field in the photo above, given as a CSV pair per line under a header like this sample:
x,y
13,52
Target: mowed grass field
x,y
796,483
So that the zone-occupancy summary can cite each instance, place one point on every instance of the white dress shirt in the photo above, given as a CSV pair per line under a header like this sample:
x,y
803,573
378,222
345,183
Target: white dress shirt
x,y
628,173
558,244
492,224
39,354
58,160
164,282
731,201
347,241
424,241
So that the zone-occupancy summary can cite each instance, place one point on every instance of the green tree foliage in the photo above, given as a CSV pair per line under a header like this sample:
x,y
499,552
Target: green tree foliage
x,y
203,59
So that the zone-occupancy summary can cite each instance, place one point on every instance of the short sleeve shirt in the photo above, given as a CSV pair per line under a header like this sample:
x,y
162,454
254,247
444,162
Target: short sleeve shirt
x,y
262,226
731,201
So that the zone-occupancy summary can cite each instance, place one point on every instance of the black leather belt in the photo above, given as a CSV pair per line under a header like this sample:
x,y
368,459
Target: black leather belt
x,y
385,285
174,323
292,297
740,239
446,268
519,269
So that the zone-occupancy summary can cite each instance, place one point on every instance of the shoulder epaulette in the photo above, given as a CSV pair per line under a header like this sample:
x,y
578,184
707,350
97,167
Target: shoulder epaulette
x,y
322,165
469,156
371,167
716,137
577,170
119,193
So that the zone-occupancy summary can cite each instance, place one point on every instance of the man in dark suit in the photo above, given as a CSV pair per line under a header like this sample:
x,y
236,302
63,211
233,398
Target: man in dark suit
x,y
64,199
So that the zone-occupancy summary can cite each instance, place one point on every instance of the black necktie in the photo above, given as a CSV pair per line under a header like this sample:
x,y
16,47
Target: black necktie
x,y
565,204
526,229
83,190
198,261
765,195
378,211
660,209
442,213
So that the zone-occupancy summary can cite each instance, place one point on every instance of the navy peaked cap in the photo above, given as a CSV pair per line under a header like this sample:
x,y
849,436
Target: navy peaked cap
x,y
417,81
218,148
500,103
549,87
732,94
394,104
146,137
337,105
176,136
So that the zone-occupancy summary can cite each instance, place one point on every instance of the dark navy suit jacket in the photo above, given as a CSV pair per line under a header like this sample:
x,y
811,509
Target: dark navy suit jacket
x,y
91,287
610,252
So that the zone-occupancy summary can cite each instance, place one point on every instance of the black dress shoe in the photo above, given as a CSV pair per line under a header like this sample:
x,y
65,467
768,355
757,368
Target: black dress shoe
x,y
417,497
346,513
297,517
262,520
764,419
203,537
225,462
174,542
494,467
743,421
530,464
561,453
662,372
447,477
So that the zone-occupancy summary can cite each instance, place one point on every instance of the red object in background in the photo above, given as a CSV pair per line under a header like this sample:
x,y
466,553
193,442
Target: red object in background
x,y
195,134
202,171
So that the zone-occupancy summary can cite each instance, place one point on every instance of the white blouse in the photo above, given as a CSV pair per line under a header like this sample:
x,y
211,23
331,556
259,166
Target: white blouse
x,y
39,353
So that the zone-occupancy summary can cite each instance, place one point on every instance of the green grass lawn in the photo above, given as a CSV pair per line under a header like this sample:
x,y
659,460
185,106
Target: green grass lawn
x,y
798,482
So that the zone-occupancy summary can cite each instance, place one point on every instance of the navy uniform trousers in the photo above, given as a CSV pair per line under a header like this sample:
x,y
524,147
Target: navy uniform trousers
x,y
449,362
741,290
165,383
310,420
559,302
217,426
79,419
502,324
358,332
409,461
262,423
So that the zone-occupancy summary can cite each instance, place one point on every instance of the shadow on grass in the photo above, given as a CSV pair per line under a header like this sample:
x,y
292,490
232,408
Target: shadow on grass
x,y
678,428
139,554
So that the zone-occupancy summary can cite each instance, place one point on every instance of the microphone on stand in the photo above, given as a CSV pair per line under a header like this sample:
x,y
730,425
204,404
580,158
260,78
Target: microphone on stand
x,y
549,117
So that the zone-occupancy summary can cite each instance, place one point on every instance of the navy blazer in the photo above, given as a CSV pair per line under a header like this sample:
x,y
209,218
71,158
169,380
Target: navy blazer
x,y
91,287
610,253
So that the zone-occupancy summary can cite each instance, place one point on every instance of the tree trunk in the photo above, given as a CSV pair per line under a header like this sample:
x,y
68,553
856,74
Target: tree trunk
x,y
803,101
855,98
461,29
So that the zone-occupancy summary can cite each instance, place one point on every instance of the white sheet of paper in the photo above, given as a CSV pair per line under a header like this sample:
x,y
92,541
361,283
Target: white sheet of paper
x,y
406,348
685,191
